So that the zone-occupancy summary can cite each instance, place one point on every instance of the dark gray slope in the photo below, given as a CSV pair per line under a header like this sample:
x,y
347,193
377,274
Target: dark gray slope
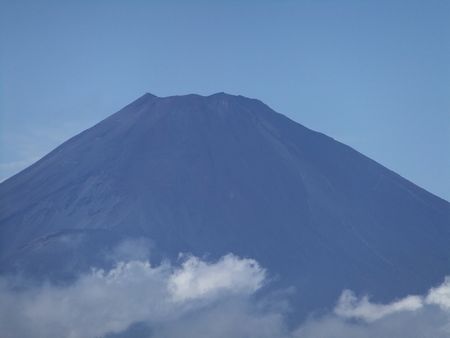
x,y
218,174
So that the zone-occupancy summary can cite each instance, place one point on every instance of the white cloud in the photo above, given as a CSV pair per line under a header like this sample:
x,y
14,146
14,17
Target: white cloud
x,y
198,279
440,295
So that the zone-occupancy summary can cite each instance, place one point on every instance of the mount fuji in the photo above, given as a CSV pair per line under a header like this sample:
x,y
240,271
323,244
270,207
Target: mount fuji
x,y
210,175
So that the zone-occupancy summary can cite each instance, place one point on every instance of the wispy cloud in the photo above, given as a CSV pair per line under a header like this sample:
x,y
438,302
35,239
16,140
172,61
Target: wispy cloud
x,y
350,306
414,316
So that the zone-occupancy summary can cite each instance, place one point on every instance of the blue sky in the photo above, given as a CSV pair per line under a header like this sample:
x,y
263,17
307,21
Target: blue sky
x,y
372,74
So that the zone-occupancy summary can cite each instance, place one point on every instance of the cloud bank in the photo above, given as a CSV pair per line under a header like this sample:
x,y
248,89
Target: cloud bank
x,y
104,302
413,316
199,299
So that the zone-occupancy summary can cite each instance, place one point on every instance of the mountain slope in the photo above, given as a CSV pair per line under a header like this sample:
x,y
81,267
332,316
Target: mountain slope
x,y
218,174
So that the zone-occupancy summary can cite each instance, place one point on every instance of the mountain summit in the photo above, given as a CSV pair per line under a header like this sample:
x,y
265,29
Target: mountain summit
x,y
209,175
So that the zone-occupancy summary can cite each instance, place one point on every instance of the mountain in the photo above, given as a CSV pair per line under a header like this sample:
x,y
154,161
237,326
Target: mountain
x,y
218,174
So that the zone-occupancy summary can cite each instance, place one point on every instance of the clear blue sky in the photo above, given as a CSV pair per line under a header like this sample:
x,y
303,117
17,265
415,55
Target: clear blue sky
x,y
372,74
